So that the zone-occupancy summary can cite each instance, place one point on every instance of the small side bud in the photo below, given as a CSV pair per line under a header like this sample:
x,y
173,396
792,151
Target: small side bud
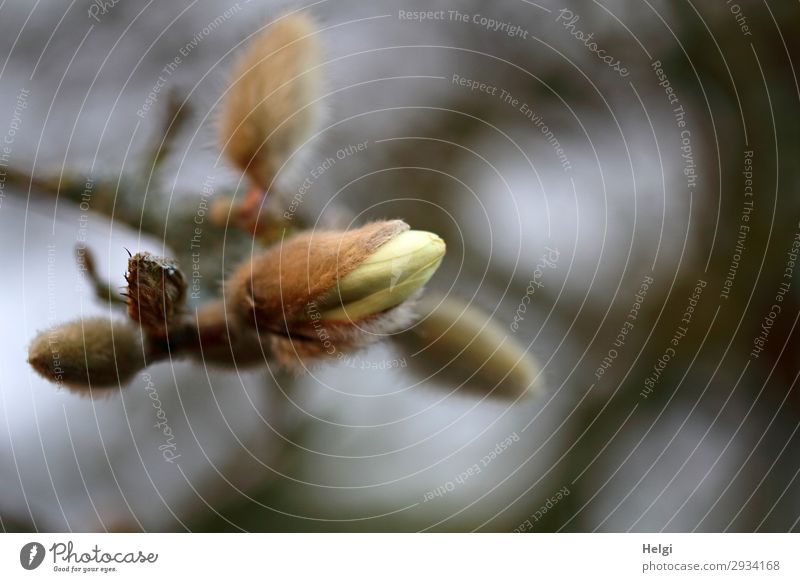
x,y
465,346
156,292
269,109
88,354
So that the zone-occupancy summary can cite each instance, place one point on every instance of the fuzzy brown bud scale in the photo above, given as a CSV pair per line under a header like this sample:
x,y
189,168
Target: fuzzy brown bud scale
x,y
156,292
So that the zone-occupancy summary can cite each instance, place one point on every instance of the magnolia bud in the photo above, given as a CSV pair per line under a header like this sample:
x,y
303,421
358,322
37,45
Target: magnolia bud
x,y
88,354
156,291
469,348
331,291
270,108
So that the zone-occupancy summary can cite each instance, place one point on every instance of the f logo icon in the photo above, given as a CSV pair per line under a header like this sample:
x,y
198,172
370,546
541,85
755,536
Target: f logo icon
x,y
31,555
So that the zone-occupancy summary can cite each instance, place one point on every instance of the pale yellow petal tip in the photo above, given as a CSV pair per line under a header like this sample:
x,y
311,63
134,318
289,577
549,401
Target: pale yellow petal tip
x,y
396,271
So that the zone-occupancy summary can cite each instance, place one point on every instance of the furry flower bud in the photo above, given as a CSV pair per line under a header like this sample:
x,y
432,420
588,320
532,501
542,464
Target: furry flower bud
x,y
465,346
93,353
270,108
325,292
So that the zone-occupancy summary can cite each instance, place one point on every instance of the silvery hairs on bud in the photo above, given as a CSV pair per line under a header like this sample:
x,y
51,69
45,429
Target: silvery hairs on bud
x,y
319,339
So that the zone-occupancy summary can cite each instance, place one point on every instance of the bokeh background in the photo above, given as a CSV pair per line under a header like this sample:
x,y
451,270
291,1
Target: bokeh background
x,y
680,171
